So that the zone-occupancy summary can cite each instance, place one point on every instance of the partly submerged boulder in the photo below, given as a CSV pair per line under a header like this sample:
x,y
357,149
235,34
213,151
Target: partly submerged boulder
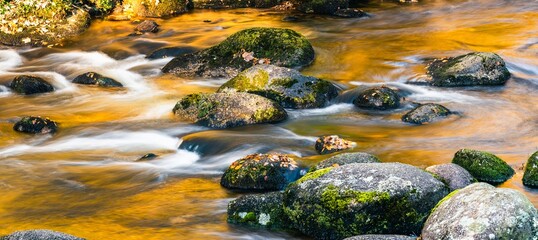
x,y
29,85
378,98
258,210
39,235
484,166
453,175
345,158
320,6
35,125
92,78
426,113
331,144
530,177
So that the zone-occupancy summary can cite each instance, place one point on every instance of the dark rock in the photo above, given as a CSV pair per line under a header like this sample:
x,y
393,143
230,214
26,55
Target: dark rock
x,y
147,157
147,26
345,158
426,113
261,172
39,235
35,125
350,13
530,177
378,98
280,47
453,175
331,144
481,211
286,86
381,237
484,166
92,78
362,198
258,210
290,19
170,52
472,69
320,6
28,85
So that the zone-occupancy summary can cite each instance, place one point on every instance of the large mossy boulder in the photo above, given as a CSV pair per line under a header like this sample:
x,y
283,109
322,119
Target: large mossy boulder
x,y
484,166
454,176
362,198
244,49
225,110
381,237
266,172
345,158
472,69
144,8
320,6
35,125
378,98
481,211
28,85
92,78
426,113
530,177
258,210
286,86
39,235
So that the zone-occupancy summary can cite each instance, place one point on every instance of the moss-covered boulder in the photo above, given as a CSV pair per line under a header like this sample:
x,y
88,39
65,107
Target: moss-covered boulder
x,y
143,8
378,98
481,211
331,144
381,237
28,85
225,110
286,86
218,4
258,210
453,175
320,6
39,235
40,23
170,52
472,69
530,177
35,125
345,158
362,198
244,49
92,78
267,172
484,166
426,113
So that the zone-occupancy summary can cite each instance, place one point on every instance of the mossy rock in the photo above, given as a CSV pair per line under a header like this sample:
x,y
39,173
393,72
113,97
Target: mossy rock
x,y
472,69
264,172
170,52
286,86
378,98
320,6
530,177
258,210
244,49
35,125
481,211
28,85
484,166
345,158
381,237
219,4
454,176
40,234
157,9
362,198
226,110
92,78
426,113
331,144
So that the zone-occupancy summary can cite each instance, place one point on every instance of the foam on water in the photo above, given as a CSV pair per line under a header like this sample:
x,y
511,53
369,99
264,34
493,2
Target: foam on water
x,y
332,109
9,59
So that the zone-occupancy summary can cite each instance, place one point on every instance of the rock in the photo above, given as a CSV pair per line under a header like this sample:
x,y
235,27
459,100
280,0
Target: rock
x,y
378,98
92,78
350,13
170,52
362,198
345,158
381,237
453,175
28,85
35,125
147,26
286,86
280,47
320,6
426,113
147,157
143,8
258,210
472,69
39,235
484,166
225,110
219,4
530,177
290,19
332,143
261,172
481,211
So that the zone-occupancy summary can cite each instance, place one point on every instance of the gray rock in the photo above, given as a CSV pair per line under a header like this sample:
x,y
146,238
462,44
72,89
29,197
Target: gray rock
x,y
345,158
453,175
331,144
39,235
378,98
381,237
258,210
481,211
426,113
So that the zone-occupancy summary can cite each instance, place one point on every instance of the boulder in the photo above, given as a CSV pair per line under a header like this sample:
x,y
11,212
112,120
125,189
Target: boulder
x,y
481,211
320,6
35,125
286,86
484,166
378,98
258,210
530,177
381,237
454,176
39,235
29,85
426,113
331,144
345,158
147,26
92,78
170,52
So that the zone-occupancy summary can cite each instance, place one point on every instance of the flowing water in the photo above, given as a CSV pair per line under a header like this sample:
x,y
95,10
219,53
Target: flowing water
x,y
86,180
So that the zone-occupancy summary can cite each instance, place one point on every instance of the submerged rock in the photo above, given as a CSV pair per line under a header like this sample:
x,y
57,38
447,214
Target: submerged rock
x,y
147,157
92,78
28,85
258,210
426,113
453,175
481,211
484,166
362,198
378,98
39,235
345,158
170,52
225,110
332,143
286,86
280,47
147,26
381,237
472,69
530,177
320,6
261,172
35,125
350,13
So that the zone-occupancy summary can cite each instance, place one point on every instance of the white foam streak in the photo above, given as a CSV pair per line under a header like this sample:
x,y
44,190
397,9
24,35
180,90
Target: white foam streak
x,y
333,109
9,59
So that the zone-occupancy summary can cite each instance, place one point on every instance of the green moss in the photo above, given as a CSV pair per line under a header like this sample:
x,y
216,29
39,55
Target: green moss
x,y
314,175
450,195
268,114
334,200
530,177
244,83
483,166
199,101
284,82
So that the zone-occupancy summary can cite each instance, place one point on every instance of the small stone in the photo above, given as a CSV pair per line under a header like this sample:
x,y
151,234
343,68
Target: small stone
x,y
28,85
92,78
453,175
147,157
378,98
332,143
426,113
147,26
483,166
35,125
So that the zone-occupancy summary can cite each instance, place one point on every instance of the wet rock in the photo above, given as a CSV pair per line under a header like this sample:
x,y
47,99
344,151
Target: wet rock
x,y
378,98
147,157
362,198
39,235
530,177
320,6
35,125
225,110
28,85
280,47
453,175
286,86
290,19
484,166
381,237
345,158
472,69
170,52
261,172
481,211
142,8
350,13
426,113
147,26
92,78
331,144
258,210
